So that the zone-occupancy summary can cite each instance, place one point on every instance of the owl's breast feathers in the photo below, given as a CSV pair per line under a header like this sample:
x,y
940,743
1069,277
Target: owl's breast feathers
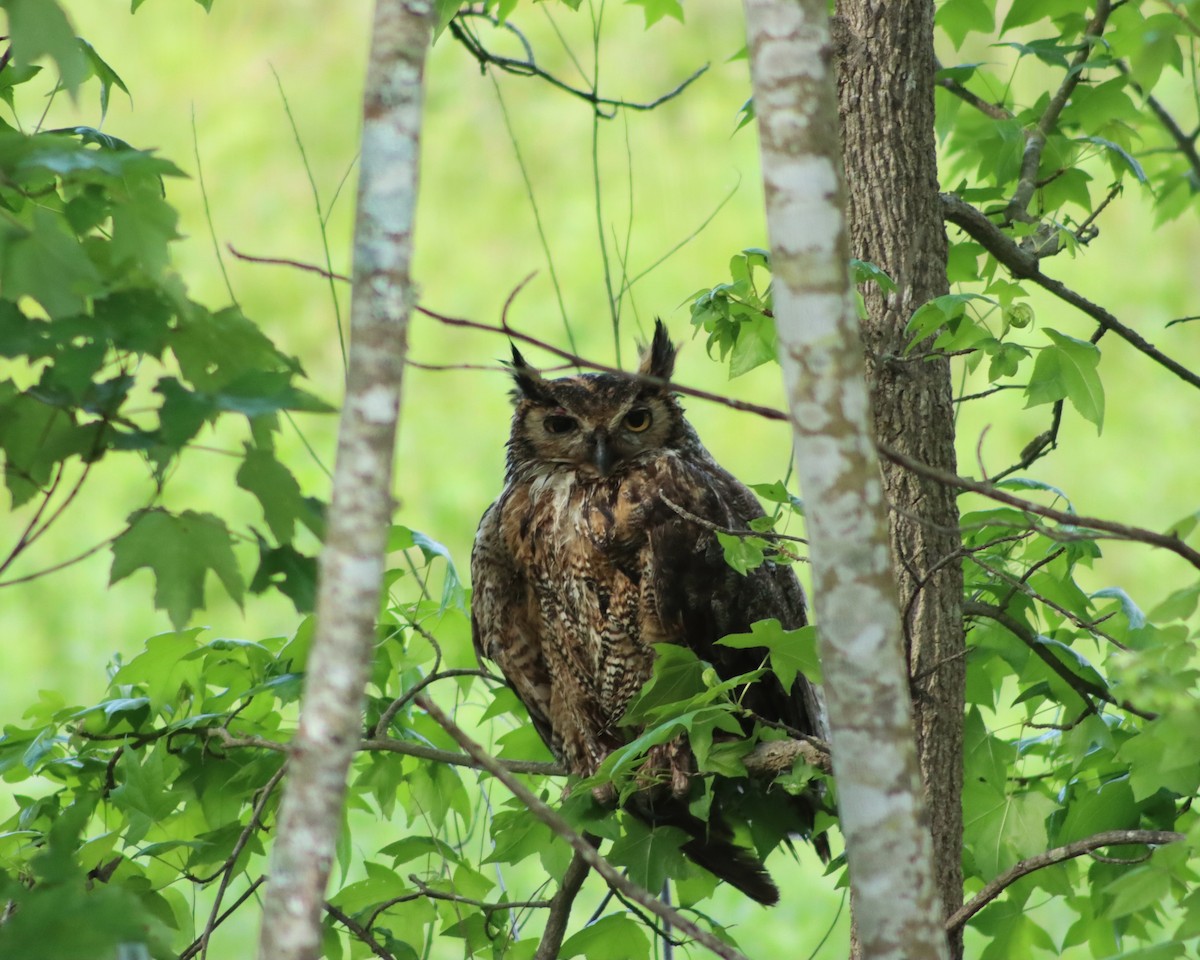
x,y
576,579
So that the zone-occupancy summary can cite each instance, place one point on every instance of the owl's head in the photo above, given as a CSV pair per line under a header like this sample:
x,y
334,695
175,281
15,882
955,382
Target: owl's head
x,y
596,423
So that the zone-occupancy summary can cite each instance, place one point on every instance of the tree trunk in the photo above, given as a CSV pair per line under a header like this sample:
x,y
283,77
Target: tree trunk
x,y
866,681
885,92
352,559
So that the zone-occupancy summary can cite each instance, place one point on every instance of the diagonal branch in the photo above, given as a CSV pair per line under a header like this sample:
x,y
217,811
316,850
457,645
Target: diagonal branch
x,y
1110,838
540,809
1080,685
1186,143
1119,531
1024,265
1035,143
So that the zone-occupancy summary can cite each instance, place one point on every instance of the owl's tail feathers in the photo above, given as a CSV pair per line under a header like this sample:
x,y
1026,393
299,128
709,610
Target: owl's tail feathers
x,y
711,846
735,865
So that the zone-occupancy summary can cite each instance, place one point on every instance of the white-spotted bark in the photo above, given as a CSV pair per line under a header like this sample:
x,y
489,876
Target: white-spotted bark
x,y
352,560
886,69
881,806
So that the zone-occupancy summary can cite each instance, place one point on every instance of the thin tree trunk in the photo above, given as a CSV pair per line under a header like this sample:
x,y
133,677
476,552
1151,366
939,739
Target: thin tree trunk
x,y
867,692
885,91
353,555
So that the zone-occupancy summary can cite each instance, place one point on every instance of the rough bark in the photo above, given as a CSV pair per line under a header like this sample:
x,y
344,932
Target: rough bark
x,y
867,691
352,559
885,90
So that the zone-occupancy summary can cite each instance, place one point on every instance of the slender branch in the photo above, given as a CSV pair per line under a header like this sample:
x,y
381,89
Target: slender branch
x,y
729,531
410,749
1110,838
1186,143
1119,531
361,932
527,68
399,703
560,908
1036,139
994,110
1024,265
285,262
540,809
424,890
194,947
1080,685
768,413
1038,447
239,845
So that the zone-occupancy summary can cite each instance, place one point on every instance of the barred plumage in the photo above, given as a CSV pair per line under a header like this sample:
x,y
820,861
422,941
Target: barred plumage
x,y
581,566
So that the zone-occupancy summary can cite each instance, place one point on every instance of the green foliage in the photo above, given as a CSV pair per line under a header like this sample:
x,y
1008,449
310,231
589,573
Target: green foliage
x,y
143,816
110,358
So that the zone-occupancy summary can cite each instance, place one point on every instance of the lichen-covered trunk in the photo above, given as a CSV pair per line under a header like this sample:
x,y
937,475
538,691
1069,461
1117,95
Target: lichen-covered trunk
x,y
880,800
352,558
886,69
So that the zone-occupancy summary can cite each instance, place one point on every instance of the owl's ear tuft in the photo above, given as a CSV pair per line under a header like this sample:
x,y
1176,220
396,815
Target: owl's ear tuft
x,y
659,360
529,383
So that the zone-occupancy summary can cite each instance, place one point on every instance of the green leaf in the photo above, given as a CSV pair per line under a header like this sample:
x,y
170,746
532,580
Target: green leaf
x,y
961,17
44,261
934,314
743,553
655,10
755,345
40,28
1068,370
105,74
792,651
677,675
614,937
650,854
179,550
289,571
276,490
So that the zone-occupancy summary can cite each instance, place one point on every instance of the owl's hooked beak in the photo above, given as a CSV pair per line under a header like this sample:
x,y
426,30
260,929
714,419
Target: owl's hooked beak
x,y
602,458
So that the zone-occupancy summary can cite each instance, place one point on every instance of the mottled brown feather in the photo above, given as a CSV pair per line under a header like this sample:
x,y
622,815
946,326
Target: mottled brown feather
x,y
581,566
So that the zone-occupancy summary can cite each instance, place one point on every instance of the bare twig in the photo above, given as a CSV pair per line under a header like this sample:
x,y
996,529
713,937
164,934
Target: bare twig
x,y
729,531
286,262
1110,838
411,749
399,703
994,110
1111,528
1035,141
528,68
540,809
769,413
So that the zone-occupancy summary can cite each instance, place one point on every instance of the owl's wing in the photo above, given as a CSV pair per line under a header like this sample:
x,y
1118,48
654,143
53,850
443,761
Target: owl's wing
x,y
700,598
503,621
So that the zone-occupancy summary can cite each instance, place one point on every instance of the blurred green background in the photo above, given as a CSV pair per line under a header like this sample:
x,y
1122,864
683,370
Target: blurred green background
x,y
206,94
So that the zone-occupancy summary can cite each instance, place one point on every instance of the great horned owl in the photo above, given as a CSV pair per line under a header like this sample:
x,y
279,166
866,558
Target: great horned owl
x,y
588,559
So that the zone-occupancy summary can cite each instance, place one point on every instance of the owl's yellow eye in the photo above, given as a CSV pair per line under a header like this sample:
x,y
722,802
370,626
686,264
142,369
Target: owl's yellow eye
x,y
556,423
637,420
